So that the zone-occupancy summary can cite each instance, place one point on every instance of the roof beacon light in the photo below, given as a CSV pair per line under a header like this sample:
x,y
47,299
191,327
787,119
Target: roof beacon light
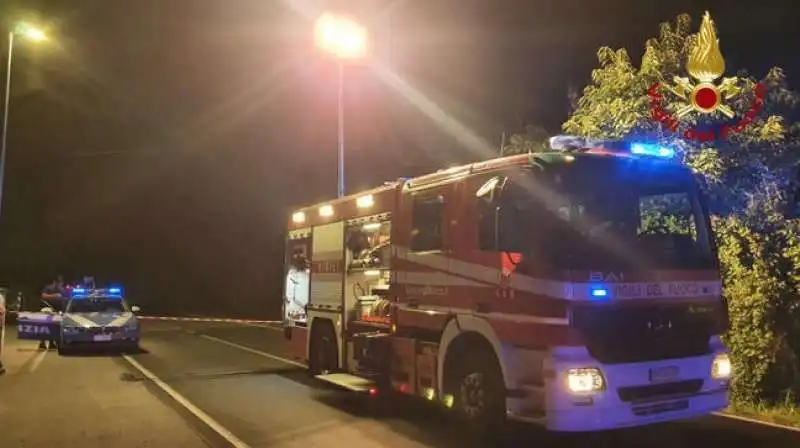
x,y
572,143
649,149
114,290
78,291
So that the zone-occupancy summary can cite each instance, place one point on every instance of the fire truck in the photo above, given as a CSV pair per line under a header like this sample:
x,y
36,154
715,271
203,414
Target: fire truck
x,y
577,288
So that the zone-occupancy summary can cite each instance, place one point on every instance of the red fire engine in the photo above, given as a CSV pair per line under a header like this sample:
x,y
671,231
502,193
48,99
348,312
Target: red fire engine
x,y
577,288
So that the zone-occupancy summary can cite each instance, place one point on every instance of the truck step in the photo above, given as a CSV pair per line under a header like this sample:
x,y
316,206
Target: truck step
x,y
347,381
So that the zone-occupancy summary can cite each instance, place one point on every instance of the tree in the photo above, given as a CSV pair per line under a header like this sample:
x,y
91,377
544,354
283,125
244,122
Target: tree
x,y
617,104
749,178
535,139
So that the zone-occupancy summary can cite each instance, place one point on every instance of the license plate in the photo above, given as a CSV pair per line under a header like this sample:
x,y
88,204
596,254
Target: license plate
x,y
102,338
664,374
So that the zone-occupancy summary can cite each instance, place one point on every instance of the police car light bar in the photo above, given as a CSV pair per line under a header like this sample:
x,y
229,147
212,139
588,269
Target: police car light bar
x,y
109,292
569,143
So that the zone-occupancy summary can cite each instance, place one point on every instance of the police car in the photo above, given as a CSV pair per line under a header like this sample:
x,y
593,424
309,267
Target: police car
x,y
99,317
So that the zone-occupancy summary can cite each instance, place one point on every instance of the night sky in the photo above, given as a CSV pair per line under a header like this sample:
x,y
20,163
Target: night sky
x,y
162,143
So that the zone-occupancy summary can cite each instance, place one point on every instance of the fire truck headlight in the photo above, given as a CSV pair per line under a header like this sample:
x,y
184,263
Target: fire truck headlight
x,y
585,380
721,367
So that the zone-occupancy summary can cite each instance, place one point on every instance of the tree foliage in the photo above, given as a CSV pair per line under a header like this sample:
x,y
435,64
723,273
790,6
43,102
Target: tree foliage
x,y
749,178
534,139
616,104
760,256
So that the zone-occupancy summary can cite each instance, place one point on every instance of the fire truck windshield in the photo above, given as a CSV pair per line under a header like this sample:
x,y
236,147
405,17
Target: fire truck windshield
x,y
582,220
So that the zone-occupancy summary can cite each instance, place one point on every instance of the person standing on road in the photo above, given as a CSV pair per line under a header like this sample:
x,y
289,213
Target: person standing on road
x,y
53,296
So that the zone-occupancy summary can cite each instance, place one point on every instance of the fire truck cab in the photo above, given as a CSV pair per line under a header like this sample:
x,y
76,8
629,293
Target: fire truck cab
x,y
577,288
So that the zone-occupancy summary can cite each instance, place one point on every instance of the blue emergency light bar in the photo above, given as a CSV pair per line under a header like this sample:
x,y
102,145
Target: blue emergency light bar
x,y
648,149
572,143
103,292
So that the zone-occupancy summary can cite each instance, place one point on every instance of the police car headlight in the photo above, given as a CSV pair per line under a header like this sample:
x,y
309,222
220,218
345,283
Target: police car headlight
x,y
131,327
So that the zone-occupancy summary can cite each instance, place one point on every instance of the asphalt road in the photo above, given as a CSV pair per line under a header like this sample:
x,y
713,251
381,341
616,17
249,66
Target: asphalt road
x,y
47,400
226,376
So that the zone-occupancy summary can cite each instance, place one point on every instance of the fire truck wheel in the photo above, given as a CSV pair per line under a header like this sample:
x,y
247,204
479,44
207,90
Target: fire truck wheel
x,y
324,356
478,393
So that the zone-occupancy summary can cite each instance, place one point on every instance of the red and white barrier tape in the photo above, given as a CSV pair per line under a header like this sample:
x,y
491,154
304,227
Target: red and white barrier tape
x,y
211,319
202,319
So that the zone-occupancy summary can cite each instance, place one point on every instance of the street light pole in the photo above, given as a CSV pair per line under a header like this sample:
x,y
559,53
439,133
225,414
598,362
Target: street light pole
x,y
2,172
346,40
33,34
341,130
6,103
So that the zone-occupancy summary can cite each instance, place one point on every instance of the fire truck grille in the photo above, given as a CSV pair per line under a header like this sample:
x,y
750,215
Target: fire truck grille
x,y
658,391
644,333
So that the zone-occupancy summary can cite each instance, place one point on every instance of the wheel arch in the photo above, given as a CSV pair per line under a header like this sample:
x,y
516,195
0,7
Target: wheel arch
x,y
466,330
317,324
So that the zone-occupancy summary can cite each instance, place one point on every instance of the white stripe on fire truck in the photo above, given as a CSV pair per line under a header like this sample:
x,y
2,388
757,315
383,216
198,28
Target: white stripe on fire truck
x,y
435,279
460,273
507,317
443,263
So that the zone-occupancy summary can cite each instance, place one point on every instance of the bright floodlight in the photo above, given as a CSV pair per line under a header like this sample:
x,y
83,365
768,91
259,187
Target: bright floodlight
x,y
31,32
340,36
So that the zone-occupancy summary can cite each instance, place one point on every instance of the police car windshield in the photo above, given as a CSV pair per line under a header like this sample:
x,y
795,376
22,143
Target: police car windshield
x,y
96,305
612,213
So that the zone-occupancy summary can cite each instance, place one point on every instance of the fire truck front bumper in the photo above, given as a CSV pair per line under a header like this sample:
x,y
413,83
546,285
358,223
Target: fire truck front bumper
x,y
590,397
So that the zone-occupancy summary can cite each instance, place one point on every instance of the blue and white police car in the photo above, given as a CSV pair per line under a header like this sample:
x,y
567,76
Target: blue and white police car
x,y
99,318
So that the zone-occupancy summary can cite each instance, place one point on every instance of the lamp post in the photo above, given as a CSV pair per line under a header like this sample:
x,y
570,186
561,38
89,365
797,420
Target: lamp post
x,y
346,40
34,34
31,33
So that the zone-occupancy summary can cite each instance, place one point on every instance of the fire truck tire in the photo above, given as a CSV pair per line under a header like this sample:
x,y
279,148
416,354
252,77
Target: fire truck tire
x,y
479,393
323,354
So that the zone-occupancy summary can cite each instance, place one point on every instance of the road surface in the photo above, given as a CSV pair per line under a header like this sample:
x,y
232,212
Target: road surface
x,y
226,386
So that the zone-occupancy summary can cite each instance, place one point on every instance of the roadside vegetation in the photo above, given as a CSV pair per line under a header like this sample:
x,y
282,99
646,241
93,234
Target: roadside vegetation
x,y
752,179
